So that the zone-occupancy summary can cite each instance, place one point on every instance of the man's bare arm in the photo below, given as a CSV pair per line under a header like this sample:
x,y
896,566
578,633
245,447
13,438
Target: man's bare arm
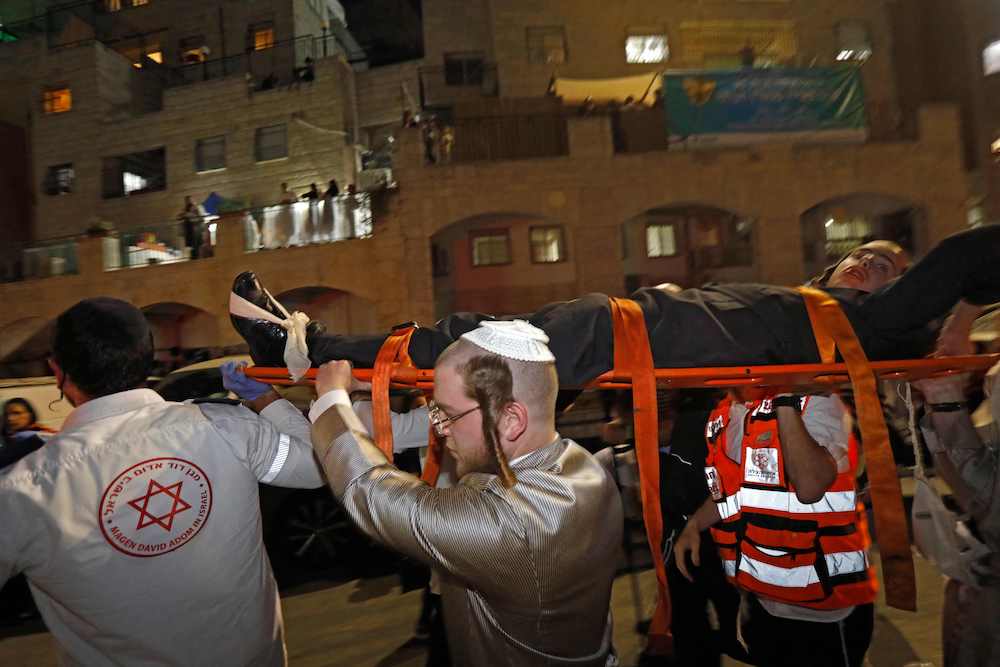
x,y
809,466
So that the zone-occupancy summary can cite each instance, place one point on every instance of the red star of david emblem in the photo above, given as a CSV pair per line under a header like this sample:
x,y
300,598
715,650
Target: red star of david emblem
x,y
165,521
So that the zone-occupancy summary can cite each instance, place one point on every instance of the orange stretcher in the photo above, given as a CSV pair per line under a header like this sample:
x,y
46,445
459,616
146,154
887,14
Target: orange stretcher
x,y
633,369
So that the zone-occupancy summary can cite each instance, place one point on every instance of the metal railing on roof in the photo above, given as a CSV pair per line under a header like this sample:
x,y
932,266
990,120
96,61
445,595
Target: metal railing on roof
x,y
280,64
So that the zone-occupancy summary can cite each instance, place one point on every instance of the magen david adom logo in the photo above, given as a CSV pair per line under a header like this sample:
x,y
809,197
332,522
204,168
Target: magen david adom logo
x,y
155,507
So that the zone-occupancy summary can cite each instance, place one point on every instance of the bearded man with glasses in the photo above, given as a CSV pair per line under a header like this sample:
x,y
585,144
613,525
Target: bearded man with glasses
x,y
525,545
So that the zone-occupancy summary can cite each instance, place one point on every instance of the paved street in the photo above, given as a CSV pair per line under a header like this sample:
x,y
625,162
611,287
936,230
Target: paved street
x,y
368,622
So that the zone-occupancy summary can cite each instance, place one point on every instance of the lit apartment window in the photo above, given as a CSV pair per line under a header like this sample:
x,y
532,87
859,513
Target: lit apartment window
x,y
135,173
210,154
133,182
262,36
643,46
547,245
57,100
271,143
854,43
547,44
490,247
116,5
193,49
152,52
843,234
991,58
59,179
464,69
660,240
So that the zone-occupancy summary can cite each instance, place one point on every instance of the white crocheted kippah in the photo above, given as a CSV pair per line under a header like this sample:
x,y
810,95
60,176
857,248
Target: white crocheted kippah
x,y
514,339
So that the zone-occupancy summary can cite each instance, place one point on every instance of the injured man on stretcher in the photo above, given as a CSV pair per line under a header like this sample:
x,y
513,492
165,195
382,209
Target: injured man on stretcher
x,y
896,310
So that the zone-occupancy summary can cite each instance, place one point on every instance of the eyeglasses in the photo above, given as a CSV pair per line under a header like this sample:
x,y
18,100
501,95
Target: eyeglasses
x,y
440,420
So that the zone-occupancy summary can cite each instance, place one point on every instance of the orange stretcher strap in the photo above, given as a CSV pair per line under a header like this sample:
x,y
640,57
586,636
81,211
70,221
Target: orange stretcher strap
x,y
832,329
392,356
633,354
393,351
432,465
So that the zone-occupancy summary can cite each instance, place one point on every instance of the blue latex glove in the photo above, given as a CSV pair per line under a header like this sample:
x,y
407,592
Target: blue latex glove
x,y
24,435
236,381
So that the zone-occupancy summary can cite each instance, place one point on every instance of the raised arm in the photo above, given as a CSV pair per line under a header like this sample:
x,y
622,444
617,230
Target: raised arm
x,y
964,266
436,526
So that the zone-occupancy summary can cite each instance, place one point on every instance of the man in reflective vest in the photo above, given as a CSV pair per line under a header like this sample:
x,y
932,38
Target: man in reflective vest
x,y
790,532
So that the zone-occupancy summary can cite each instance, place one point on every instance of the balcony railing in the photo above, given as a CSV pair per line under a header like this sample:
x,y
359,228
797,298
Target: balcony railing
x,y
309,222
41,260
276,66
509,137
160,244
302,223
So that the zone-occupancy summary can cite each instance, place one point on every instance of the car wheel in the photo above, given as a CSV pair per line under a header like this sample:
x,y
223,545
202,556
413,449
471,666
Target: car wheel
x,y
315,530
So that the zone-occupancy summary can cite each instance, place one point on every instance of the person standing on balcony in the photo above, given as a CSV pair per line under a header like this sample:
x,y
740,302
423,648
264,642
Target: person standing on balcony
x,y
284,223
311,228
306,73
328,224
192,218
447,144
430,132
350,211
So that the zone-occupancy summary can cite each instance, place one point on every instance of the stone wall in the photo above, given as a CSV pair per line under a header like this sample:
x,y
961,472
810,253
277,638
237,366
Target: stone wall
x,y
385,92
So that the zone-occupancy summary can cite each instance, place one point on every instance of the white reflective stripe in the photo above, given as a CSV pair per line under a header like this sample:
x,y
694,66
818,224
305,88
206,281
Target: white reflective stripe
x,y
729,567
785,501
786,577
845,562
279,459
771,552
729,506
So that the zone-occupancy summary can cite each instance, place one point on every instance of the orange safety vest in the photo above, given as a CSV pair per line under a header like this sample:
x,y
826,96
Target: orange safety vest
x,y
771,544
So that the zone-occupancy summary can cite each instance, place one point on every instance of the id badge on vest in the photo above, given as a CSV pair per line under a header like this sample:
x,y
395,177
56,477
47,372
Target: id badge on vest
x,y
760,466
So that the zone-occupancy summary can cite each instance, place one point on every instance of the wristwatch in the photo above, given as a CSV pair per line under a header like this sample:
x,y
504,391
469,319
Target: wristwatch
x,y
788,401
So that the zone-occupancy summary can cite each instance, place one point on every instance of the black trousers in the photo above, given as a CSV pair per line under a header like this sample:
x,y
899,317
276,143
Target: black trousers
x,y
783,642
729,325
696,643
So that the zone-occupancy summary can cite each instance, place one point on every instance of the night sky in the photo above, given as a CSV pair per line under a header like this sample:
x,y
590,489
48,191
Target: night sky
x,y
388,30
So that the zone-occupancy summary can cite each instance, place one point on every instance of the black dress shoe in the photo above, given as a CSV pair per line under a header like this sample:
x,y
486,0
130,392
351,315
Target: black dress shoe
x,y
265,339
